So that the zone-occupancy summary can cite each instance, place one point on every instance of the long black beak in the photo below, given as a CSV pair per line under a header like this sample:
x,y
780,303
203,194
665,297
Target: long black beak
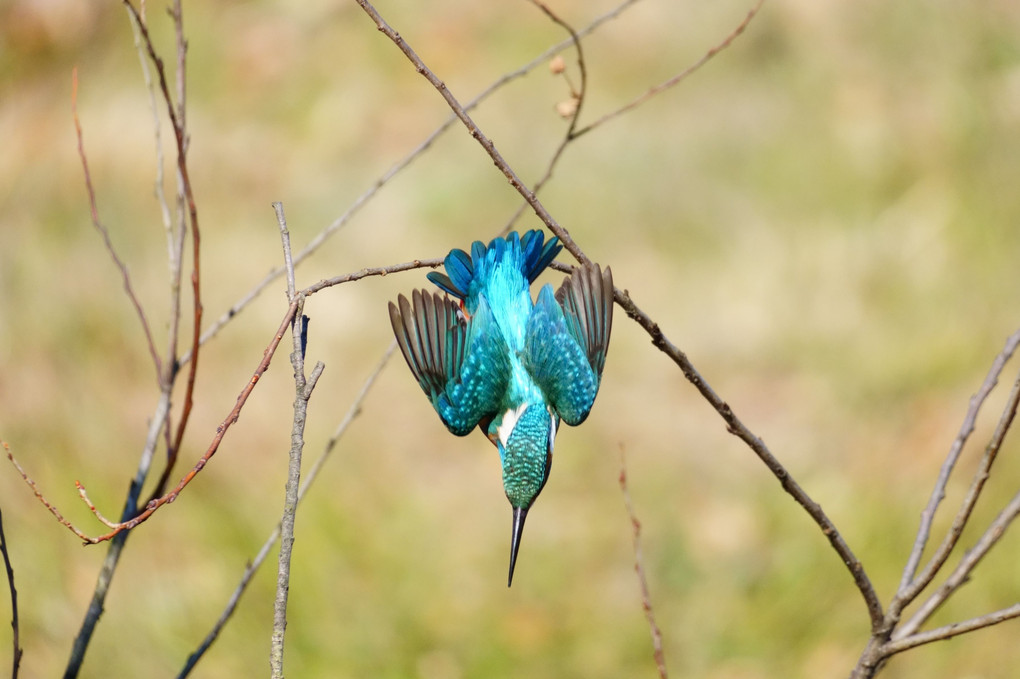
x,y
515,540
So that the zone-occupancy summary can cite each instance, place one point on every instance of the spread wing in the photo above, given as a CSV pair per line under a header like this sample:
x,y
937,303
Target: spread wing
x,y
462,365
567,340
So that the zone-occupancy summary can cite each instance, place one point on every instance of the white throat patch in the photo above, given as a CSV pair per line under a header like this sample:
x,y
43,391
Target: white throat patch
x,y
552,431
509,421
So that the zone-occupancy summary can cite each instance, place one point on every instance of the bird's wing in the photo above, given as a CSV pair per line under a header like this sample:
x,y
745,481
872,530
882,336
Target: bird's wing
x,y
587,300
567,339
462,366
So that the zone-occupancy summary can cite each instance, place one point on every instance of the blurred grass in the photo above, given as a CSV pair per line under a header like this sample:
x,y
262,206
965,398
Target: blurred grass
x,y
824,219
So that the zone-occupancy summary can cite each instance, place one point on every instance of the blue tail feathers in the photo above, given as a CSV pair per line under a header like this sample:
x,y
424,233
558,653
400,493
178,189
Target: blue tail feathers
x,y
463,269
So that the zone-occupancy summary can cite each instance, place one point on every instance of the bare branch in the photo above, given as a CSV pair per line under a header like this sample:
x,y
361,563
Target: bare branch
x,y
157,135
951,630
39,496
371,271
679,77
287,257
303,391
15,628
639,568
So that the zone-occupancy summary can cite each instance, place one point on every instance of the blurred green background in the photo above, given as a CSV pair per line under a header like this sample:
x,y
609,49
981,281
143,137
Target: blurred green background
x,y
824,218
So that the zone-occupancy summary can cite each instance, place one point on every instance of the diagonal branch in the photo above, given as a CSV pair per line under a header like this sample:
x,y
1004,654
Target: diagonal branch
x,y
951,630
734,425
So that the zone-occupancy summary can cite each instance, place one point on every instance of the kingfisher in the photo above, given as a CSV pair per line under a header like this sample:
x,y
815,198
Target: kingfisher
x,y
489,356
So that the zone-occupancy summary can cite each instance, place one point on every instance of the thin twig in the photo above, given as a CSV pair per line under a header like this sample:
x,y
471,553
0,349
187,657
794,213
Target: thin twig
x,y
734,425
105,234
370,271
235,598
15,628
288,259
578,95
157,134
39,496
951,630
306,483
910,587
639,568
990,537
175,249
679,77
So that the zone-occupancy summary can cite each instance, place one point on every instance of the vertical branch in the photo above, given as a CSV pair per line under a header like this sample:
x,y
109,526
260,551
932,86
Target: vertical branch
x,y
303,392
16,658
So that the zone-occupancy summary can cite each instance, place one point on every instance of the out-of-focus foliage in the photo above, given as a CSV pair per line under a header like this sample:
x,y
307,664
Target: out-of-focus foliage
x,y
824,219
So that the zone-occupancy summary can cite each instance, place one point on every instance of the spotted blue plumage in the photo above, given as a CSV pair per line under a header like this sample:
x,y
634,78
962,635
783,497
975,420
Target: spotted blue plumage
x,y
492,357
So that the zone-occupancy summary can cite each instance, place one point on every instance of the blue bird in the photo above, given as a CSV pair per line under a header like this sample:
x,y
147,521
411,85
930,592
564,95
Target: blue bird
x,y
493,358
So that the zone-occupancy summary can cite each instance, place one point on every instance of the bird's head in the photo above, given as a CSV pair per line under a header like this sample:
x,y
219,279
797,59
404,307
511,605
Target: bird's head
x,y
524,437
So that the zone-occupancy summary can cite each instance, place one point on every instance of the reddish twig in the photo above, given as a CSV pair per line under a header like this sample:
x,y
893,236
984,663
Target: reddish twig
x,y
39,496
101,228
679,77
221,430
639,568
175,237
15,627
